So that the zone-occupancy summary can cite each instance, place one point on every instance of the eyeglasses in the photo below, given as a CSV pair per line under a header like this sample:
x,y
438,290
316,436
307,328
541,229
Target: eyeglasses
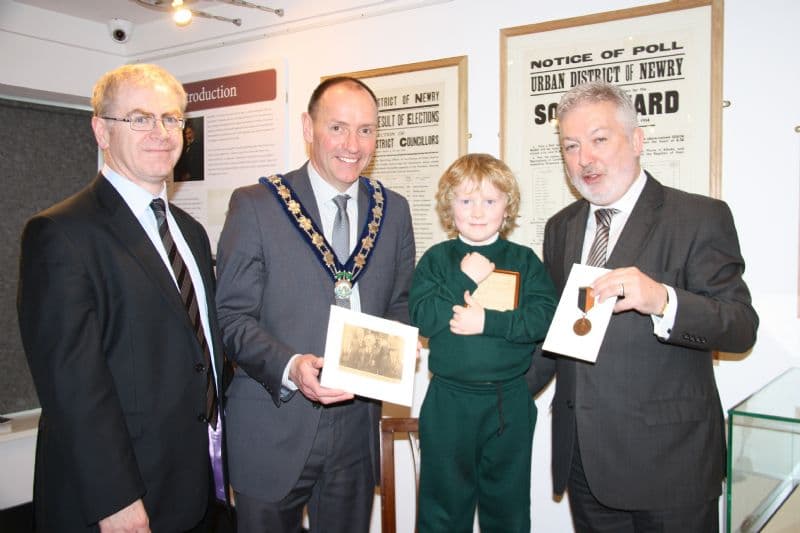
x,y
148,122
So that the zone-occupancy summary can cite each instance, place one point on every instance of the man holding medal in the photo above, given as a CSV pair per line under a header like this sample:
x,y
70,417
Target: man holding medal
x,y
292,246
638,436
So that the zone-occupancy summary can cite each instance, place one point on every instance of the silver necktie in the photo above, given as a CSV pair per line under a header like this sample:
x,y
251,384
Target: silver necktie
x,y
340,238
597,253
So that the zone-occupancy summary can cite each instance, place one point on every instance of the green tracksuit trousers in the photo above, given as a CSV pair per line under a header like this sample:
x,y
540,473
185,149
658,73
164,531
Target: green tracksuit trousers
x,y
475,447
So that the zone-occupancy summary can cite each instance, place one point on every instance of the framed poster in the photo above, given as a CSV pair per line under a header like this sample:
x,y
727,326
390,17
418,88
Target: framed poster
x,y
668,56
422,128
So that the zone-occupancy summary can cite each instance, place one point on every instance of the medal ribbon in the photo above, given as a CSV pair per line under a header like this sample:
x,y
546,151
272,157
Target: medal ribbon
x,y
583,325
585,299
357,263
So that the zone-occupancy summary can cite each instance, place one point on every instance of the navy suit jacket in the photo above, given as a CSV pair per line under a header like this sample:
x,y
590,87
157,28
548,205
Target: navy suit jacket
x,y
116,366
274,301
648,414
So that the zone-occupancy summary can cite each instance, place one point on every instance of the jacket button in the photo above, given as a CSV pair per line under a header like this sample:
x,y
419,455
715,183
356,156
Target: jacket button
x,y
570,404
316,405
202,418
199,368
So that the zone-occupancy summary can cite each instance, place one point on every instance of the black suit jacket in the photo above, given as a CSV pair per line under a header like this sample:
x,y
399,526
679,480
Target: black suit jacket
x,y
116,366
648,413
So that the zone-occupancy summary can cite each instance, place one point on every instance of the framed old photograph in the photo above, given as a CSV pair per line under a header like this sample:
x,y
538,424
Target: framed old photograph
x,y
370,356
667,56
422,128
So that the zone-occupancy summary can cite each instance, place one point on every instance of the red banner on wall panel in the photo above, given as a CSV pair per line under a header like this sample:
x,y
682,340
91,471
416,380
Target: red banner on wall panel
x,y
233,90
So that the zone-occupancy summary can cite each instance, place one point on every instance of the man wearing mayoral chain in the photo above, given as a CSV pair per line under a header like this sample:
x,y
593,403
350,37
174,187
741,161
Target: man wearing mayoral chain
x,y
292,246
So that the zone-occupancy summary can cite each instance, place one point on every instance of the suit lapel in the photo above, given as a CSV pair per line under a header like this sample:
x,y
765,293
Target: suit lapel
x,y
573,243
363,206
122,223
365,291
639,227
301,184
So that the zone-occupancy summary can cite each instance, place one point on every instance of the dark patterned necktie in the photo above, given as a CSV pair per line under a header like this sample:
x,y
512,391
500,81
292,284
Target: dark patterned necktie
x,y
190,303
340,237
597,253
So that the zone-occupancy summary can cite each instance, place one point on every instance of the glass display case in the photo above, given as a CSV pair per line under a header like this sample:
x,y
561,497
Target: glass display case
x,y
764,458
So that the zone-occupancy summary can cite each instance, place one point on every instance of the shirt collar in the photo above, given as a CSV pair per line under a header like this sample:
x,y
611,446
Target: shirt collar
x,y
137,198
487,242
324,191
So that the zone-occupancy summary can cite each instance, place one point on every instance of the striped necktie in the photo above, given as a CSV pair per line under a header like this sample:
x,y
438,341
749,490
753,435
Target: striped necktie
x,y
597,253
189,298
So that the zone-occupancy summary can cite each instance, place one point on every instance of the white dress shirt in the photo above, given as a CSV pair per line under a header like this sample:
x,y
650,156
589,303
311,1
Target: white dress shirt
x,y
662,325
138,201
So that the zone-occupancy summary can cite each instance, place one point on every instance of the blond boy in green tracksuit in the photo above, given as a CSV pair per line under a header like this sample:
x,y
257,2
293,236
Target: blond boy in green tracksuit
x,y
478,417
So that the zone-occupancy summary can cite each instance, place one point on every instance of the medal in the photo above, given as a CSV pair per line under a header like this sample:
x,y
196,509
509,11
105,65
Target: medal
x,y
343,288
583,325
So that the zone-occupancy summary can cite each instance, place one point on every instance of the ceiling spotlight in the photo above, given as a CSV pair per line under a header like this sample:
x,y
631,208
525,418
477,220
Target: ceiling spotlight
x,y
183,16
180,13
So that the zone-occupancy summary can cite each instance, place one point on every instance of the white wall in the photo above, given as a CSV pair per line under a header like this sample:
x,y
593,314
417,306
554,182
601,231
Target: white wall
x,y
761,161
761,166
66,56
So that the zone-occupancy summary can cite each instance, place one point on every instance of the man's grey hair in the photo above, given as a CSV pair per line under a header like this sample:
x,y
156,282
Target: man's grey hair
x,y
598,91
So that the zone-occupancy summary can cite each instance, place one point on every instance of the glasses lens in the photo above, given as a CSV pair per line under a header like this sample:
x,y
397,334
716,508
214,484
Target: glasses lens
x,y
172,123
142,122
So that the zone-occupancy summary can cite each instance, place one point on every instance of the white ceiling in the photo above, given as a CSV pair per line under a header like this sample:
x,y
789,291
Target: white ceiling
x,y
104,10
154,36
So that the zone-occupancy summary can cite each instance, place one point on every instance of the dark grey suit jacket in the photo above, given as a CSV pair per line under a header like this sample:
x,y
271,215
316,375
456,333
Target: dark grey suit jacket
x,y
115,362
648,413
273,301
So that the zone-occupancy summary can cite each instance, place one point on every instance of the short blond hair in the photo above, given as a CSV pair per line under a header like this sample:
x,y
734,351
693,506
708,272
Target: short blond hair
x,y
477,168
105,90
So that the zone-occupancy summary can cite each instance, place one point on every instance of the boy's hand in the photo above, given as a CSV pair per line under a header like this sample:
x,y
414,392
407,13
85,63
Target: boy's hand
x,y
476,266
467,319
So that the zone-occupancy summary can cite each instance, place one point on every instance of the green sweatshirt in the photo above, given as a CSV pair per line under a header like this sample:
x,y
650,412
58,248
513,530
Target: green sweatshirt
x,y
503,351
